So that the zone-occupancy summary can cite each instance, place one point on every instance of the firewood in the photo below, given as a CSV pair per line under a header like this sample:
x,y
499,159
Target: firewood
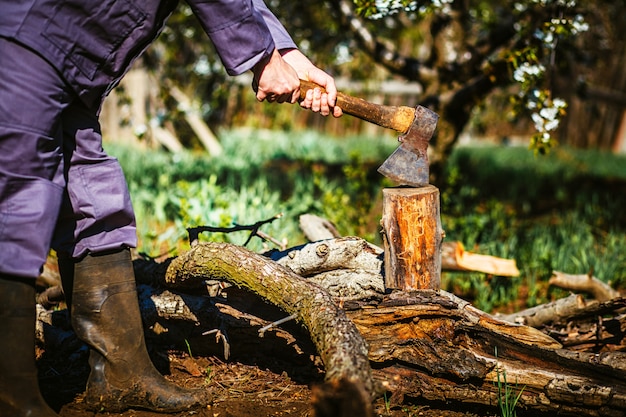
x,y
435,346
412,236
422,344
454,257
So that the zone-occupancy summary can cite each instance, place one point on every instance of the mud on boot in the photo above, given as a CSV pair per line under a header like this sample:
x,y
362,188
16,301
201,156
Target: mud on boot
x,y
105,315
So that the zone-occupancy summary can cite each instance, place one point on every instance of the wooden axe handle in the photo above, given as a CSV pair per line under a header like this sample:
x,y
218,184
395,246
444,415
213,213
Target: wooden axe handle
x,y
398,118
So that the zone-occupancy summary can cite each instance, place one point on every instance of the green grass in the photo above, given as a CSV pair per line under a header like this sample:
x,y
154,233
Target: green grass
x,y
564,211
508,394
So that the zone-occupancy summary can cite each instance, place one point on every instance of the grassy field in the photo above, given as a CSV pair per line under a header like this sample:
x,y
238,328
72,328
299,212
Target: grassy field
x,y
565,211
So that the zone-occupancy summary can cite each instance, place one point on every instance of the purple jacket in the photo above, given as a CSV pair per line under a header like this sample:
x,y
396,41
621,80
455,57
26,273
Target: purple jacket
x,y
94,42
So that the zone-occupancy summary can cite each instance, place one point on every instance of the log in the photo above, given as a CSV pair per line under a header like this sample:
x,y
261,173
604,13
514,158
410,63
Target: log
x,y
336,339
426,344
412,237
454,257
436,347
579,324
558,310
349,268
564,310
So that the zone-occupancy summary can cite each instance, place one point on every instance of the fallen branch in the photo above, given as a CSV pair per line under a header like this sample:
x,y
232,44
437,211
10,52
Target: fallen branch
x,y
349,268
194,232
564,310
337,341
586,283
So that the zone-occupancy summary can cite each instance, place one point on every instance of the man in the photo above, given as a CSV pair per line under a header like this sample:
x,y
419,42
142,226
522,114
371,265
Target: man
x,y
58,188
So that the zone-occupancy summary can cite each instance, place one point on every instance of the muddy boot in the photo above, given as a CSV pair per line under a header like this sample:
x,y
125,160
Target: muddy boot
x,y
105,315
19,387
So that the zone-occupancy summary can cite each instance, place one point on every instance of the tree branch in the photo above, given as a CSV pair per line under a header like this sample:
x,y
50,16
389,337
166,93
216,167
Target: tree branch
x,y
341,347
194,232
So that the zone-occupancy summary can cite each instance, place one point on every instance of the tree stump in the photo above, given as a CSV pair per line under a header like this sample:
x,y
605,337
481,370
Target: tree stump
x,y
412,236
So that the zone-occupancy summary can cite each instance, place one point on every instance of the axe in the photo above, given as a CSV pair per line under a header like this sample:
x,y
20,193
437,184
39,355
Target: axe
x,y
408,164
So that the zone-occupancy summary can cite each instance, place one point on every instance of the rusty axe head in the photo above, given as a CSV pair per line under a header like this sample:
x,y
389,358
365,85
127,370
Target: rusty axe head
x,y
408,164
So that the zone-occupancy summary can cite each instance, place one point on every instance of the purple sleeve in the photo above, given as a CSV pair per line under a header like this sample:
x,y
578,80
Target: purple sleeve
x,y
281,37
239,32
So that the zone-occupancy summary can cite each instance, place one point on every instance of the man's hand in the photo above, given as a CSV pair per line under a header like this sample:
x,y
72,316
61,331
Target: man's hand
x,y
277,79
315,100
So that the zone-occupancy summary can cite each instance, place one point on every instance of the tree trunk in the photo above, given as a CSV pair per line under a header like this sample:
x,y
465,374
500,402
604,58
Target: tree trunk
x,y
435,346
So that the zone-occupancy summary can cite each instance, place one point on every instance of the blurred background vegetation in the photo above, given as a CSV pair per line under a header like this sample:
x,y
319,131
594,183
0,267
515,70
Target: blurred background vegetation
x,y
560,211
564,211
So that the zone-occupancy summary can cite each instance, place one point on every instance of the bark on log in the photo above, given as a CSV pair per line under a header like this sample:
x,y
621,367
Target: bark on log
x,y
435,346
412,236
563,310
348,268
424,344
339,344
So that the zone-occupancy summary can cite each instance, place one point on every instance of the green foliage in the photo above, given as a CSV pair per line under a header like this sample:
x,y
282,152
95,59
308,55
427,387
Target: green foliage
x,y
260,175
381,8
563,211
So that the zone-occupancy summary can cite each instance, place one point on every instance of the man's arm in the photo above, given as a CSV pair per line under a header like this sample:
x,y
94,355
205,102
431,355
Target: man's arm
x,y
315,100
238,31
247,36
282,39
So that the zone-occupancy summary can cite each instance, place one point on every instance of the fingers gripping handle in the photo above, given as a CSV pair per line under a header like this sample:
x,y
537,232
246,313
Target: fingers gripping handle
x,y
398,118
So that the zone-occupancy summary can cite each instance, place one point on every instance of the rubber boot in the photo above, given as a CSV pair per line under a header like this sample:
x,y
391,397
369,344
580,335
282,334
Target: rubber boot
x,y
105,315
19,387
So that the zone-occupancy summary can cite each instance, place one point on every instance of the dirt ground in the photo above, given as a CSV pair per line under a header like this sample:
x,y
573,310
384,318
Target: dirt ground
x,y
267,378
238,390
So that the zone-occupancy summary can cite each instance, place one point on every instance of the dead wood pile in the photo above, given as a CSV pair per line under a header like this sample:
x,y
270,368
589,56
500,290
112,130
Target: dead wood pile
x,y
427,345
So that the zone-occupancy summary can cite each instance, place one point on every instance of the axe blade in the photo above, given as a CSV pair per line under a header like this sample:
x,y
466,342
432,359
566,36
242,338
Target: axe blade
x,y
408,164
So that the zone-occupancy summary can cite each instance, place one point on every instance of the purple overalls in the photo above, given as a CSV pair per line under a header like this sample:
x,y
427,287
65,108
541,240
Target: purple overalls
x,y
58,60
